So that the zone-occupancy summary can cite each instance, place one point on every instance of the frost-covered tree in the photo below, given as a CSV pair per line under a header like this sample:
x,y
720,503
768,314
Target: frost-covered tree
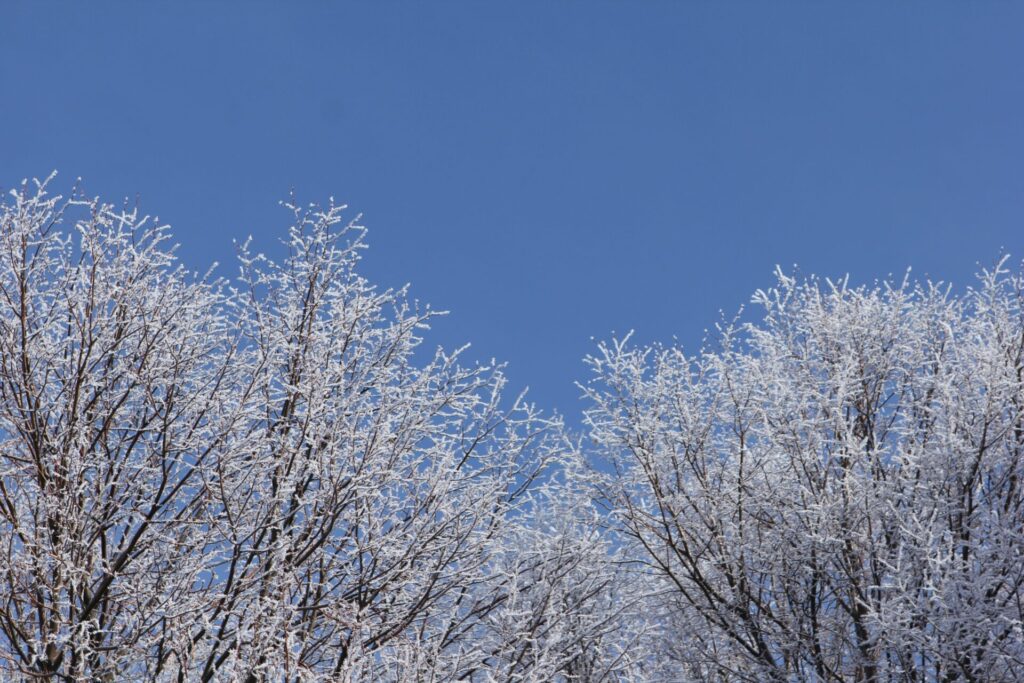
x,y
267,478
117,389
834,491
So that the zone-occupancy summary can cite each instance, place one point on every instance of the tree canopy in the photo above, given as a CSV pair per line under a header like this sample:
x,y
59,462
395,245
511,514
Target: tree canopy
x,y
266,477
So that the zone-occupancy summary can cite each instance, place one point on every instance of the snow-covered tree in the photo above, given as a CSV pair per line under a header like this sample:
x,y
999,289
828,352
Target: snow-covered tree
x,y
117,389
833,492
268,478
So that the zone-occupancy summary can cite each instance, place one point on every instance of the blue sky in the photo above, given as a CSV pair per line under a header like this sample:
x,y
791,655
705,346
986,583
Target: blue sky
x,y
549,172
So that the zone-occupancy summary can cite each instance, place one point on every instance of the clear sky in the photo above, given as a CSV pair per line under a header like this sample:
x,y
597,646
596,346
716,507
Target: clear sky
x,y
549,172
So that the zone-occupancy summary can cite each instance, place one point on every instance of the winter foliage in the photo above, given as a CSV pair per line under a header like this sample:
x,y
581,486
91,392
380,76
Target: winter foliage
x,y
268,477
834,494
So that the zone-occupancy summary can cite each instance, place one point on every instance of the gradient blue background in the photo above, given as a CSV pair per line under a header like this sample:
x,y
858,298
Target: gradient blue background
x,y
549,172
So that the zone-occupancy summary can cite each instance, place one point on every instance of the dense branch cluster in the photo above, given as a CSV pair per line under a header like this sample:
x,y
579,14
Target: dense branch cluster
x,y
834,494
269,478
253,480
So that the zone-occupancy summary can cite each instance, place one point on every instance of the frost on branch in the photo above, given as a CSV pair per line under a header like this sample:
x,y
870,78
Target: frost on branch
x,y
252,480
269,478
834,493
